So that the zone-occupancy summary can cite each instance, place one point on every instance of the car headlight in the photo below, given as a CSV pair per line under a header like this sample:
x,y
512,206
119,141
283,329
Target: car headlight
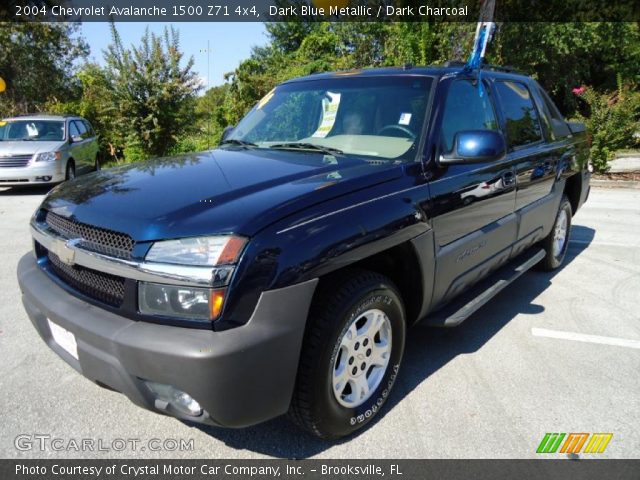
x,y
47,157
185,302
189,303
199,251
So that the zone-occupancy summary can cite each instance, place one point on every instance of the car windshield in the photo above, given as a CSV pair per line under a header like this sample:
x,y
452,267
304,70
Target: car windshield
x,y
31,130
379,117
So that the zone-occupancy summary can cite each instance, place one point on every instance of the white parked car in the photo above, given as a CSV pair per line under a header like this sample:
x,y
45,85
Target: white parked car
x,y
44,149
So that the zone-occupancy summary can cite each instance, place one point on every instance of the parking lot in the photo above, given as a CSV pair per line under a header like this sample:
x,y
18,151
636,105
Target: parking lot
x,y
552,353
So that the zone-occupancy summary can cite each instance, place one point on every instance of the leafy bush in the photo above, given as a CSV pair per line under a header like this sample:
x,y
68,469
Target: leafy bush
x,y
193,142
613,120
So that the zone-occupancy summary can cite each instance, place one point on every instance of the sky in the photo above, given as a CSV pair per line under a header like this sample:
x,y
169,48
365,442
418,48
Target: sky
x,y
230,43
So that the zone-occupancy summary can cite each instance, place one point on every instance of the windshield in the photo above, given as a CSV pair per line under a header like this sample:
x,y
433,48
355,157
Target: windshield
x,y
369,116
31,130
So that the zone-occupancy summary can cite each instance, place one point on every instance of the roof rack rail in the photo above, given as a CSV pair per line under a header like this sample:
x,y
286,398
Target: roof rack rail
x,y
45,114
501,68
486,66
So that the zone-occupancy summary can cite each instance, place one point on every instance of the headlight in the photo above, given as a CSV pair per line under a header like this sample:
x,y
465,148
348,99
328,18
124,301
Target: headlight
x,y
180,302
200,251
47,157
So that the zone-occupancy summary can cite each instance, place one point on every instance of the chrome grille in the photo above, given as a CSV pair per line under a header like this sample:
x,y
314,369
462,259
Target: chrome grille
x,y
100,286
99,240
9,161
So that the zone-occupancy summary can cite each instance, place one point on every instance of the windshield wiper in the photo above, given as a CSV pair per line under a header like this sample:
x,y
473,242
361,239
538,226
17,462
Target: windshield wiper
x,y
242,143
307,146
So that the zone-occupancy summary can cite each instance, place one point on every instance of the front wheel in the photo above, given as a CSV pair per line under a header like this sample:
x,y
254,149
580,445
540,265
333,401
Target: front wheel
x,y
351,355
557,242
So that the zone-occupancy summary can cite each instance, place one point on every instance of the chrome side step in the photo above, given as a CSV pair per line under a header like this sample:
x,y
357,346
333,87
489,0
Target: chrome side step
x,y
460,308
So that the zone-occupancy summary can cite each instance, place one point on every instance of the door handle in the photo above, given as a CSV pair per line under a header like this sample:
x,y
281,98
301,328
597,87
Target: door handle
x,y
508,178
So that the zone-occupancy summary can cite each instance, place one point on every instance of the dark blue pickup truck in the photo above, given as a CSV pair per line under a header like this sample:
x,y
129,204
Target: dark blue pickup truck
x,y
279,272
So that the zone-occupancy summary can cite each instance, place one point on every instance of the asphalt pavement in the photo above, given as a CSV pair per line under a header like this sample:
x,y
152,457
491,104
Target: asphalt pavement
x,y
554,352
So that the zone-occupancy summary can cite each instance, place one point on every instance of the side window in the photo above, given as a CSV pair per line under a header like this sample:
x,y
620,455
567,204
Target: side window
x,y
87,125
553,110
81,128
521,116
465,109
558,123
73,130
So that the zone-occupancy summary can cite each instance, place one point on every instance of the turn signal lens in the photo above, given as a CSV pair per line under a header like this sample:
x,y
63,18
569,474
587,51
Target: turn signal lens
x,y
232,250
216,302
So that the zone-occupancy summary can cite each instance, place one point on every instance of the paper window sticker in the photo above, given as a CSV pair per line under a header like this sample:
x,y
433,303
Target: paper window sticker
x,y
405,119
330,106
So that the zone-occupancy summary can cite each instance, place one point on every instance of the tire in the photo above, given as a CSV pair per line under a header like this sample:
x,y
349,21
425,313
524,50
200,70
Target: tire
x,y
70,172
557,242
360,309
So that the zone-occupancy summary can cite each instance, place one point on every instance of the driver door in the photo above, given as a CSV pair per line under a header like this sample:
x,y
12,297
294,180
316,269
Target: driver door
x,y
472,204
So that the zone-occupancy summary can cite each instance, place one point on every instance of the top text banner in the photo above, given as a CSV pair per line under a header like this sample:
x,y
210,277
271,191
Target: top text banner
x,y
315,10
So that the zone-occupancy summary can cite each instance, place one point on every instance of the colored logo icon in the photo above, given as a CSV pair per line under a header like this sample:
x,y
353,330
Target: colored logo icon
x,y
3,85
330,3
574,442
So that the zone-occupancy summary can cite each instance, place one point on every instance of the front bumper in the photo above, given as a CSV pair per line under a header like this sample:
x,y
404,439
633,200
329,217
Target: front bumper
x,y
32,175
240,377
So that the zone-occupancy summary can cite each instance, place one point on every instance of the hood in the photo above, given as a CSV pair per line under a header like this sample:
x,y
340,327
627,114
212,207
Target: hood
x,y
222,191
28,147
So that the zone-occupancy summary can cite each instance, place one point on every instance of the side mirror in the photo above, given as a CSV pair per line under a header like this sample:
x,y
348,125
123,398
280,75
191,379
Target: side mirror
x,y
75,139
475,146
226,132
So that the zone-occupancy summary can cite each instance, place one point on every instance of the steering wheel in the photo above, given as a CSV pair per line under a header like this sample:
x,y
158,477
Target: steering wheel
x,y
392,126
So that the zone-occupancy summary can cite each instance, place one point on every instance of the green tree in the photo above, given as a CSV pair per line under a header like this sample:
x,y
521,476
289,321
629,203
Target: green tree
x,y
563,56
153,92
38,62
613,119
96,105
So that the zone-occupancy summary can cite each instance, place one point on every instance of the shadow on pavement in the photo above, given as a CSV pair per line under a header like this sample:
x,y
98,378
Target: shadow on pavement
x,y
427,350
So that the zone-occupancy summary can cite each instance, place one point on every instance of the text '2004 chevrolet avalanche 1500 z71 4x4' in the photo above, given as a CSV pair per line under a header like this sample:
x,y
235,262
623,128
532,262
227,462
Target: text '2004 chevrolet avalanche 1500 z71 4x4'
x,y
279,272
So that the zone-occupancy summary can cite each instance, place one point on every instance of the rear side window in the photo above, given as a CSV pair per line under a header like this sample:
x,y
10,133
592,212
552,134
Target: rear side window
x,y
520,114
465,109
89,129
558,124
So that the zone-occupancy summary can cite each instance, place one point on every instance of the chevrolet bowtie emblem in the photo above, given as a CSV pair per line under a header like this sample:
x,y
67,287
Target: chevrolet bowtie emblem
x,y
65,252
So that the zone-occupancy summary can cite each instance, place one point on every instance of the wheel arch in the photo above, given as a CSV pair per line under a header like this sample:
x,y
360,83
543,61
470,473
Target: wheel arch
x,y
403,265
573,189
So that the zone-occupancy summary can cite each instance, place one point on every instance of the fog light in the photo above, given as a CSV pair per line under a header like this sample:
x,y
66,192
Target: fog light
x,y
44,179
176,399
